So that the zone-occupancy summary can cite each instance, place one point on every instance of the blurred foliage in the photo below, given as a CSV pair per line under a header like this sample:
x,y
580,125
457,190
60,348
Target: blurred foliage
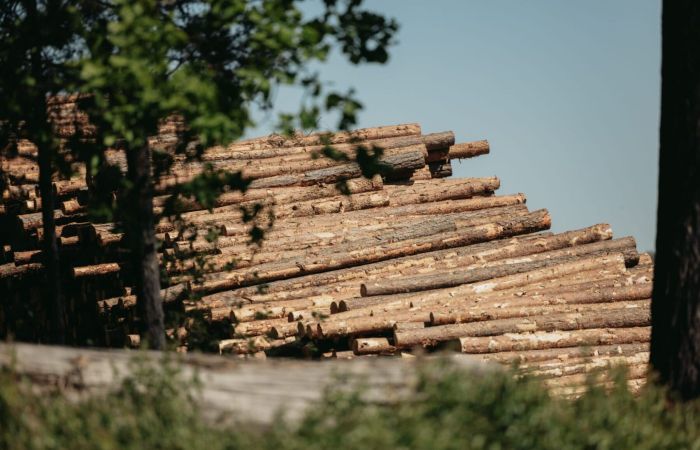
x,y
448,409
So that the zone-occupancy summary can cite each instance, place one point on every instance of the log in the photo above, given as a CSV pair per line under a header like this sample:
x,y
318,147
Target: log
x,y
567,353
328,260
334,327
468,149
461,295
278,166
323,138
256,327
614,318
251,345
428,192
444,279
372,346
10,270
309,285
404,162
278,196
486,308
349,149
526,341
437,141
567,368
95,270
440,169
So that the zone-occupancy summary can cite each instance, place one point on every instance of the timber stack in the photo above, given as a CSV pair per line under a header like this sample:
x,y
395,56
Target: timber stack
x,y
412,260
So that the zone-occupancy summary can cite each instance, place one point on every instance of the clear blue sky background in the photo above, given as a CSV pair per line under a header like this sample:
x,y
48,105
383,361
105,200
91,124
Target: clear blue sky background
x,y
566,92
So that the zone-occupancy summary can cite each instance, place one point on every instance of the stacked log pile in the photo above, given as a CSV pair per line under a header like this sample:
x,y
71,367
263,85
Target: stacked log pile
x,y
411,260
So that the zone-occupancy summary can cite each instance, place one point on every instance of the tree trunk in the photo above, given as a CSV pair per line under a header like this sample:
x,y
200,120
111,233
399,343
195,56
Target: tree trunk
x,y
675,344
54,300
142,238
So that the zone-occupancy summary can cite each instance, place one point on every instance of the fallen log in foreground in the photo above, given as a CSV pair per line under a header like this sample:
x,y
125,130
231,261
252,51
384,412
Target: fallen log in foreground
x,y
230,390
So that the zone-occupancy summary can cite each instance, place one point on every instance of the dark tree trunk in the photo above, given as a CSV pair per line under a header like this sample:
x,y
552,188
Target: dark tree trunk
x,y
140,226
52,293
675,341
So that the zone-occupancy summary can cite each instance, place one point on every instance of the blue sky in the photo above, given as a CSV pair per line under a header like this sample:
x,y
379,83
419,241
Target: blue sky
x,y
566,92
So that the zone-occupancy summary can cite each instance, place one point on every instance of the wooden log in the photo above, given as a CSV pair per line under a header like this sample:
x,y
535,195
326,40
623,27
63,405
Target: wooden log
x,y
273,167
428,192
372,346
436,141
251,345
634,371
71,206
257,327
567,353
10,270
277,309
487,309
95,270
167,295
487,251
289,329
323,138
27,256
334,327
468,149
231,152
395,163
279,196
444,279
614,318
327,260
461,295
526,341
440,169
567,368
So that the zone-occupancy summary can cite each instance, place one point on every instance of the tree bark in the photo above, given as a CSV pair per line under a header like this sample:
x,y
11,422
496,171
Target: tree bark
x,y
675,343
141,234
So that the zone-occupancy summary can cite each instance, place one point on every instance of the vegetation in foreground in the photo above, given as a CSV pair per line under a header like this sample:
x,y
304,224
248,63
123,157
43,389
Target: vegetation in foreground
x,y
450,410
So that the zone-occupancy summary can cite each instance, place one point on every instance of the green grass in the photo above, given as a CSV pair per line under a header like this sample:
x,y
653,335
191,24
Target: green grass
x,y
449,410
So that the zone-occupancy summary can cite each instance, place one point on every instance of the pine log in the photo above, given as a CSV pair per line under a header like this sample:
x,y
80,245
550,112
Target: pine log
x,y
440,169
349,149
316,284
326,260
468,149
395,163
278,196
460,295
634,372
444,279
10,270
436,141
566,353
257,327
526,341
95,270
564,369
487,309
272,167
372,346
609,274
168,295
323,138
427,192
361,325
251,345
615,318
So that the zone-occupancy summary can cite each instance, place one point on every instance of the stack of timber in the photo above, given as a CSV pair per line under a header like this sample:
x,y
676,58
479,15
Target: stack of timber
x,y
410,261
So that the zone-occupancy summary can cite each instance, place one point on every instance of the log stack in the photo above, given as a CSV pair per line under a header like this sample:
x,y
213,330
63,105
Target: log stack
x,y
405,262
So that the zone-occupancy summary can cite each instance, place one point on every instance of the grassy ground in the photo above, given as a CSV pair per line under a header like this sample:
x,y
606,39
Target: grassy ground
x,y
449,411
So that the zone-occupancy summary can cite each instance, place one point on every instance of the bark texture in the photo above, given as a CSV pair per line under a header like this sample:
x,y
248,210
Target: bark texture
x,y
675,343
